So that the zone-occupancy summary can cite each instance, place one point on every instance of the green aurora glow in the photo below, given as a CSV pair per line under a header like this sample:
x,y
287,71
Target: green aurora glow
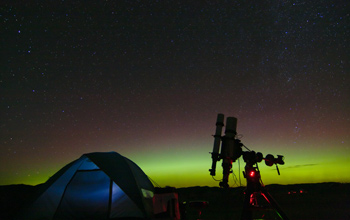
x,y
181,166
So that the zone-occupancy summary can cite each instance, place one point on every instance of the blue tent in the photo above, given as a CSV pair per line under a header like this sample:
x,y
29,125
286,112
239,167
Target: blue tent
x,y
95,186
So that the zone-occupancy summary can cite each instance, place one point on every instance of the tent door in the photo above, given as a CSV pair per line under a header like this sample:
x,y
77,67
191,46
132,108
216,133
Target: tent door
x,y
86,196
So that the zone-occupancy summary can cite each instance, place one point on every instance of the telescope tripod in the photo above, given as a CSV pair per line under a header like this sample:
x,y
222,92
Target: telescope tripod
x,y
231,150
254,190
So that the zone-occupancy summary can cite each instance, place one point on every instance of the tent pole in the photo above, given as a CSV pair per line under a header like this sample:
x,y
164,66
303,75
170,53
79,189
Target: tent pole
x,y
110,198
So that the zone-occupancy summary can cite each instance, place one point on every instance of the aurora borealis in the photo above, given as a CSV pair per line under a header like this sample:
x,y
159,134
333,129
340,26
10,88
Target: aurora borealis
x,y
147,79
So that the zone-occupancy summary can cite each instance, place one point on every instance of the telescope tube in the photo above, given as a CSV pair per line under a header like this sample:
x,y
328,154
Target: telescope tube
x,y
228,149
217,141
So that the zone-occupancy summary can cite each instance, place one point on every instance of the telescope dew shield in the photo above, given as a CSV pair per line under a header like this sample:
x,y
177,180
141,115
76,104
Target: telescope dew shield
x,y
231,126
217,142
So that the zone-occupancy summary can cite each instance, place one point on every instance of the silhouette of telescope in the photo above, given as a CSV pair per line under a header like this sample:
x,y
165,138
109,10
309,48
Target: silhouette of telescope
x,y
217,142
230,147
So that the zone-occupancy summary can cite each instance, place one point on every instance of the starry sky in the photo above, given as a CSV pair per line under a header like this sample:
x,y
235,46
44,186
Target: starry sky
x,y
147,79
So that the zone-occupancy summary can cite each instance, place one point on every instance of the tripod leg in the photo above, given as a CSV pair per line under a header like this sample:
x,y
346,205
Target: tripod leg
x,y
247,211
273,203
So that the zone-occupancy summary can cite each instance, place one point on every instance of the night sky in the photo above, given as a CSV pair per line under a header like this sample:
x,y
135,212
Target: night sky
x,y
147,79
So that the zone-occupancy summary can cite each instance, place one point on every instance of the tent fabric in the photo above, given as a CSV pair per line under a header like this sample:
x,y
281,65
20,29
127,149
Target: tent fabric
x,y
95,186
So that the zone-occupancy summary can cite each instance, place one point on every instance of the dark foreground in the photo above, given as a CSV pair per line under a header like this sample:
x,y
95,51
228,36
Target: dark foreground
x,y
302,201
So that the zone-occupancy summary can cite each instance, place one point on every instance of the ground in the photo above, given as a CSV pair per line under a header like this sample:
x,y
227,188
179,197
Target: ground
x,y
302,201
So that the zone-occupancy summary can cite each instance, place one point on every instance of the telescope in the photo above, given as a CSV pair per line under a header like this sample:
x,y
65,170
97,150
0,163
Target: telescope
x,y
228,148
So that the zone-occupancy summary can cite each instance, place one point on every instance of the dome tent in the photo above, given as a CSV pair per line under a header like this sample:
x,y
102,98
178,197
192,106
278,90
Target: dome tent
x,y
95,186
